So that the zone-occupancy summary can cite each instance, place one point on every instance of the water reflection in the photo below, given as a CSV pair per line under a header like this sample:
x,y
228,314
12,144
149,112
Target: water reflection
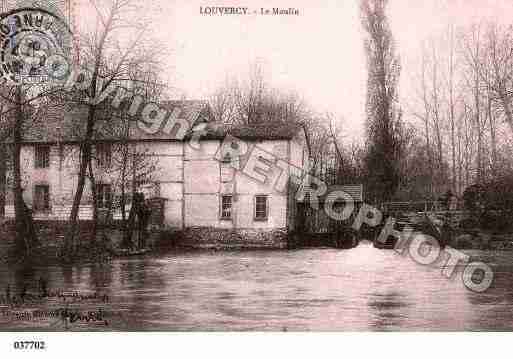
x,y
388,310
316,289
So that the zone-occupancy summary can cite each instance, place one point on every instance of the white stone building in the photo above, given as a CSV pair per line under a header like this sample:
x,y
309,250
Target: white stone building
x,y
199,188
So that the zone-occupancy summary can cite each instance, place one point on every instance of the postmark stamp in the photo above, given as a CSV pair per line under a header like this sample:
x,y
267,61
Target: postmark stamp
x,y
35,45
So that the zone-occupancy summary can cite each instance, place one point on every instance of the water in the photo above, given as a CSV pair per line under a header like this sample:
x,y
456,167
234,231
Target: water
x,y
311,289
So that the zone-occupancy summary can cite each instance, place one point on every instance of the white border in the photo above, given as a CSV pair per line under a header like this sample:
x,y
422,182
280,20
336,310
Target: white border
x,y
261,345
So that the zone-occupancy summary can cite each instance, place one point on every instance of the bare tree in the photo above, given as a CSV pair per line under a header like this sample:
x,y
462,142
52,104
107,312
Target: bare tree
x,y
21,107
451,78
109,62
4,134
254,101
223,103
458,109
497,69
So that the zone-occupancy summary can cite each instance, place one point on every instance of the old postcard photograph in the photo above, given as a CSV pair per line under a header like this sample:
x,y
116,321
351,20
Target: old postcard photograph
x,y
262,166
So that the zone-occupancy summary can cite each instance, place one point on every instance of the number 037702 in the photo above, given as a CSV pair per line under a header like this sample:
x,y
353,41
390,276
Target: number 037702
x,y
29,345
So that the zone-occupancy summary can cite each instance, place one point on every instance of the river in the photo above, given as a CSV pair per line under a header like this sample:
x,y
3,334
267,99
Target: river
x,y
298,290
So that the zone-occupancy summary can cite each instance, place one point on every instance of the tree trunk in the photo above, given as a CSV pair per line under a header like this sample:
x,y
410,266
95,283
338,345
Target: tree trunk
x,y
477,115
460,163
124,154
507,108
85,158
85,150
25,235
3,184
92,182
479,158
451,112
493,138
437,124
468,151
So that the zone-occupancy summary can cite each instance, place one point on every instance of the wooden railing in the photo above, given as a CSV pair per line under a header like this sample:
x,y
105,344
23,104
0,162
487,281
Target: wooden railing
x,y
420,206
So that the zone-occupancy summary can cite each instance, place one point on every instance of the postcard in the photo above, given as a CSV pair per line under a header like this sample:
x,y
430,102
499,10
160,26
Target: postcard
x,y
269,166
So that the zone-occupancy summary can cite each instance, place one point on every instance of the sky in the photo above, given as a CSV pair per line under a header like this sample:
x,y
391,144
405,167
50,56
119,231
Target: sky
x,y
318,53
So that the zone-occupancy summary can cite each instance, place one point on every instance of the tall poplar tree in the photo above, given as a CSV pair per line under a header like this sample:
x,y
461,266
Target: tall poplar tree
x,y
383,125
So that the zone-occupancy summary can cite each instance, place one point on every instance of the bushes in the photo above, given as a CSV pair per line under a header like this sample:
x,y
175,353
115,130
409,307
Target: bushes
x,y
492,203
469,223
494,220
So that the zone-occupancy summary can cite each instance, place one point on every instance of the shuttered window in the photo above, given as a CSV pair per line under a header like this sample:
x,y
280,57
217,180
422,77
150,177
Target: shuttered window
x,y
41,198
42,156
261,208
104,154
103,195
226,207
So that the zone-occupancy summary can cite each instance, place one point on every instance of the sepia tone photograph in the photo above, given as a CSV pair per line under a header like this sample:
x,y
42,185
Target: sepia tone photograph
x,y
269,166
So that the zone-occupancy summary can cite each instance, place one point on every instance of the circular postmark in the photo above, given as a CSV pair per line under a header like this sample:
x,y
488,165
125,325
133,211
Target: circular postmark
x,y
35,45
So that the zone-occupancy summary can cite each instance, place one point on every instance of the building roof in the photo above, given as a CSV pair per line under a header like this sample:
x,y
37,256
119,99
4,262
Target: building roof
x,y
63,123
255,132
68,124
355,191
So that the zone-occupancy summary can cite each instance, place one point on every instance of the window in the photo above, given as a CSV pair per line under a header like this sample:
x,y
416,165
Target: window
x,y
227,159
104,154
261,208
103,195
149,189
227,168
226,207
41,198
42,156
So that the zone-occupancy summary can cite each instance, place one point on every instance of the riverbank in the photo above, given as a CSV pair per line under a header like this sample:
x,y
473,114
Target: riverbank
x,y
463,230
107,243
88,248
482,240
